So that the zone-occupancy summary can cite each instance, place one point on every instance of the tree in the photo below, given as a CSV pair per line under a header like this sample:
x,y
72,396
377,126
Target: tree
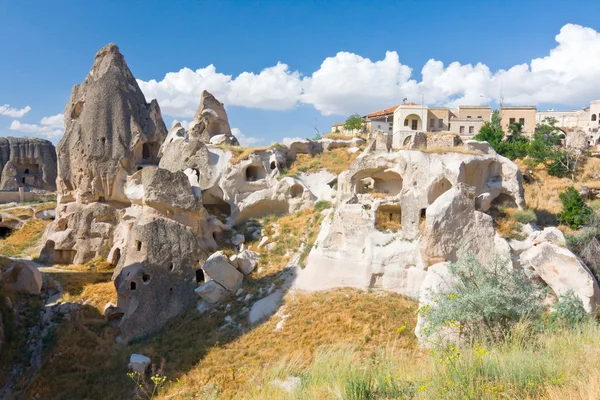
x,y
548,132
354,122
575,213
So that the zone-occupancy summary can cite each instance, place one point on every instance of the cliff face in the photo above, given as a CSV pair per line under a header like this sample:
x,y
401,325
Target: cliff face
x,y
110,132
27,162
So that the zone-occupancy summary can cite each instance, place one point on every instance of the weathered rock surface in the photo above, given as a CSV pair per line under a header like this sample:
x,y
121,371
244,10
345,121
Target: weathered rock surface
x,y
246,261
110,131
211,121
218,268
28,163
212,292
139,363
23,277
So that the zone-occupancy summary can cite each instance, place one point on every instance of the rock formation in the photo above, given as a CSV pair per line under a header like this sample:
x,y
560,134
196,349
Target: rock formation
x,y
28,163
210,124
110,132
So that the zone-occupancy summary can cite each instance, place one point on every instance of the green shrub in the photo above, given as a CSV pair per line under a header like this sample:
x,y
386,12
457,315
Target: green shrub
x,y
568,311
575,213
525,217
322,205
485,301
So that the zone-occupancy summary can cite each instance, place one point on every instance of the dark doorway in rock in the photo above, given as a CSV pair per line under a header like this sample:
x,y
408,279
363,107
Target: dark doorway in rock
x,y
116,257
423,213
273,165
254,173
145,151
200,276
138,245
132,285
5,232
26,170
23,180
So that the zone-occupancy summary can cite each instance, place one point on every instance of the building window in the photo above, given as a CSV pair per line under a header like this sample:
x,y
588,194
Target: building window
x,y
522,121
462,129
593,117
414,124
432,122
440,123
468,116
511,121
479,116
471,129
406,122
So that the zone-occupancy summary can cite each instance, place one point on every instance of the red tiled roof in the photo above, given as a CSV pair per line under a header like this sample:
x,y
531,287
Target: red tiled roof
x,y
382,113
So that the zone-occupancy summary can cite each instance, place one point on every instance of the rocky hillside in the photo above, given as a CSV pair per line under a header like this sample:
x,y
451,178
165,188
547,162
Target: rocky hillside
x,y
180,265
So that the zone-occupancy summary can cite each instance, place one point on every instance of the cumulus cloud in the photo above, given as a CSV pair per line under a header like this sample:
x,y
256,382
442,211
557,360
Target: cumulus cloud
x,y
7,110
50,127
288,140
245,141
348,83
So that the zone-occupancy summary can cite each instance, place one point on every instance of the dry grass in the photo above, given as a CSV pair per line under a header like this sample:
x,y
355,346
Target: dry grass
x,y
20,212
506,225
288,232
21,241
339,136
352,317
45,206
89,283
334,161
455,149
542,195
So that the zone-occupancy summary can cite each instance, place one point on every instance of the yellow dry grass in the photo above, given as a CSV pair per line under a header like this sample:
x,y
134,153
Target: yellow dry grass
x,y
365,320
20,212
339,136
89,283
388,218
543,195
335,161
445,150
45,206
20,241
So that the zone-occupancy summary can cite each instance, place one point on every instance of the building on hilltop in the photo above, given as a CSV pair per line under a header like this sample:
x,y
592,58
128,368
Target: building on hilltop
x,y
378,120
524,115
586,119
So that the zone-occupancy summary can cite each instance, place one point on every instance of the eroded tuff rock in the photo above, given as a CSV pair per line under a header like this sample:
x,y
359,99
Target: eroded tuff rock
x,y
210,124
27,162
110,131
398,213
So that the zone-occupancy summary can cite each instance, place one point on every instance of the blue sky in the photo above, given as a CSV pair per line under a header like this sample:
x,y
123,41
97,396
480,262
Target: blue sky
x,y
336,57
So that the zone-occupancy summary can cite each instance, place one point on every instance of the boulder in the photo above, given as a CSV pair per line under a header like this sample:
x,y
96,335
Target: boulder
x,y
550,234
212,292
27,162
138,363
237,239
265,307
246,261
112,312
23,277
560,269
218,268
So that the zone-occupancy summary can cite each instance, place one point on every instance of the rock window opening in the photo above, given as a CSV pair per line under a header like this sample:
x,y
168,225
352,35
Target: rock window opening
x,y
423,213
23,180
132,285
145,151
139,167
254,173
26,170
138,245
145,278
296,191
116,257
171,267
273,165
5,232
200,276
388,217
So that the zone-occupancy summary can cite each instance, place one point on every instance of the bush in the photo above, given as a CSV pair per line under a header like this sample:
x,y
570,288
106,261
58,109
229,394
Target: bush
x,y
322,205
485,301
525,217
575,213
568,311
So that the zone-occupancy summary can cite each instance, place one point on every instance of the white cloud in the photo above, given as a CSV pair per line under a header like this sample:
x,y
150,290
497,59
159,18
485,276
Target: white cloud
x,y
348,83
288,140
244,140
185,124
13,112
50,127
